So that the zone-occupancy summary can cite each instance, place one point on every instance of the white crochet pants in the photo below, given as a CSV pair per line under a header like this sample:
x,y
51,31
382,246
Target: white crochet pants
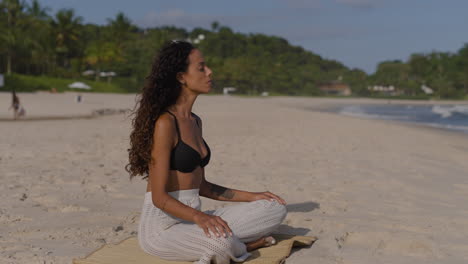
x,y
171,238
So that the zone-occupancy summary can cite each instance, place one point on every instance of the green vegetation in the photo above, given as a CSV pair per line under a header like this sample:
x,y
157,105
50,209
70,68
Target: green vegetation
x,y
445,73
28,83
40,51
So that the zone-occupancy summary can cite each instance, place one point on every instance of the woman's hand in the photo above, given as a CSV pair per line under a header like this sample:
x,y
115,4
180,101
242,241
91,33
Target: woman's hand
x,y
268,196
212,223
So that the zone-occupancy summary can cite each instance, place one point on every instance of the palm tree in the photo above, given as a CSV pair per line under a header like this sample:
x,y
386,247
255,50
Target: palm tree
x,y
100,52
11,36
66,31
120,28
39,31
214,26
37,11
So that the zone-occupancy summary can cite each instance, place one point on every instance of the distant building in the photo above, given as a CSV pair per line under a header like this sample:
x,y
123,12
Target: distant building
x,y
427,89
387,90
226,90
335,88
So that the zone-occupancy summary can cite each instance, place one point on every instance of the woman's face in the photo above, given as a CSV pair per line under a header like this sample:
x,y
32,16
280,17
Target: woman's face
x,y
198,75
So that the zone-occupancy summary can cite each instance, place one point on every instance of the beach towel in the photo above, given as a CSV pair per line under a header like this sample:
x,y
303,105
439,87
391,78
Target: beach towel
x,y
128,251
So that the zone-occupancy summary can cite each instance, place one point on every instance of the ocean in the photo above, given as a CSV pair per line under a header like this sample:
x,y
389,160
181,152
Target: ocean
x,y
450,117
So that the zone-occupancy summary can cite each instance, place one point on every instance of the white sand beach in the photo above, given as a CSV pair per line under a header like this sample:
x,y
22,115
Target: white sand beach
x,y
372,191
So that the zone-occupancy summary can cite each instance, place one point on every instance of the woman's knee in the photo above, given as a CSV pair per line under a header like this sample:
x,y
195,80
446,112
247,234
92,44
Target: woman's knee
x,y
274,208
280,210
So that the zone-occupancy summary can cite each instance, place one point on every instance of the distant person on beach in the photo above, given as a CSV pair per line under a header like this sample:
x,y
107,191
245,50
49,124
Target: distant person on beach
x,y
168,150
18,110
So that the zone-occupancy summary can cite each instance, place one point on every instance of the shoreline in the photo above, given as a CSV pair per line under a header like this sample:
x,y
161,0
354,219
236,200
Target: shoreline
x,y
333,106
325,105
65,103
334,109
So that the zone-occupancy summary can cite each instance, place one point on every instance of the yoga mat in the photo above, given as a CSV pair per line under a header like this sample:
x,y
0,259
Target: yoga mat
x,y
128,251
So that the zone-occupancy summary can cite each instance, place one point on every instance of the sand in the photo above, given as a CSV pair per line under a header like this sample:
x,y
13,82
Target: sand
x,y
372,191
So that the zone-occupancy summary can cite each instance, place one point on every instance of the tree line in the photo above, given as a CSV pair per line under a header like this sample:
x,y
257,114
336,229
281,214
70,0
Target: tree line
x,y
37,43
444,72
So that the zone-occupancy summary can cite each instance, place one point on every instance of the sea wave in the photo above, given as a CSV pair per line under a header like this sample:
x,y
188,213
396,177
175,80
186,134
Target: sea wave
x,y
448,111
451,117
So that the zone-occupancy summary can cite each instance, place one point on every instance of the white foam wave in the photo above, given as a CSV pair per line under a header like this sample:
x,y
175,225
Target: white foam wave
x,y
447,111
444,111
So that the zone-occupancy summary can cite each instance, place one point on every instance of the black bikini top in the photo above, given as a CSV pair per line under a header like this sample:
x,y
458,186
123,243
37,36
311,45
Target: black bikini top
x,y
183,157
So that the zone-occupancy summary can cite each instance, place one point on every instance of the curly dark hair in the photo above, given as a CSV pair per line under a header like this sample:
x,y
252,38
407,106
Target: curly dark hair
x,y
160,91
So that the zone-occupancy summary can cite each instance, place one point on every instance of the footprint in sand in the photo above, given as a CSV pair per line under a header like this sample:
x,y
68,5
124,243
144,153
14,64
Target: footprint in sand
x,y
341,240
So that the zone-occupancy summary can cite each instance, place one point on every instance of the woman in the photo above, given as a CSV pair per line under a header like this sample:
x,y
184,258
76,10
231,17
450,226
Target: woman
x,y
167,148
15,104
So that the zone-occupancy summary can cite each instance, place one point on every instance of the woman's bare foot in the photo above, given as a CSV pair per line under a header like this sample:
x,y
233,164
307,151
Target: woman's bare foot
x,y
262,242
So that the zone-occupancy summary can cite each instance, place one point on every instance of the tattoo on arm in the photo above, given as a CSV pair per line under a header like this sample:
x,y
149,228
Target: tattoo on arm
x,y
221,191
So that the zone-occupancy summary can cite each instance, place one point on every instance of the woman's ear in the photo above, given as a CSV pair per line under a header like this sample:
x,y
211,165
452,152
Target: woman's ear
x,y
180,78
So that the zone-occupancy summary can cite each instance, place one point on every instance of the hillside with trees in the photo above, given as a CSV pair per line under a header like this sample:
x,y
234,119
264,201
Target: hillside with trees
x,y
38,50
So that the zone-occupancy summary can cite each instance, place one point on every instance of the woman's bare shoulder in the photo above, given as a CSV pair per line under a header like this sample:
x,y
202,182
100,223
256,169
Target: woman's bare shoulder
x,y
164,126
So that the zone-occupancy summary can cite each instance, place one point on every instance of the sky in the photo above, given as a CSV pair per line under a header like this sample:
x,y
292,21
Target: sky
x,y
357,33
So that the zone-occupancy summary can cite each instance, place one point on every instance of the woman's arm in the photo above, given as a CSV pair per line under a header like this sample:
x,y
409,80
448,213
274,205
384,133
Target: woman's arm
x,y
217,192
163,140
220,193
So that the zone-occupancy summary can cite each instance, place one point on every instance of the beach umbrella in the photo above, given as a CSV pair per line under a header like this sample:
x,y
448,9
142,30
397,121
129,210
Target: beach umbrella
x,y
107,74
79,85
88,72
